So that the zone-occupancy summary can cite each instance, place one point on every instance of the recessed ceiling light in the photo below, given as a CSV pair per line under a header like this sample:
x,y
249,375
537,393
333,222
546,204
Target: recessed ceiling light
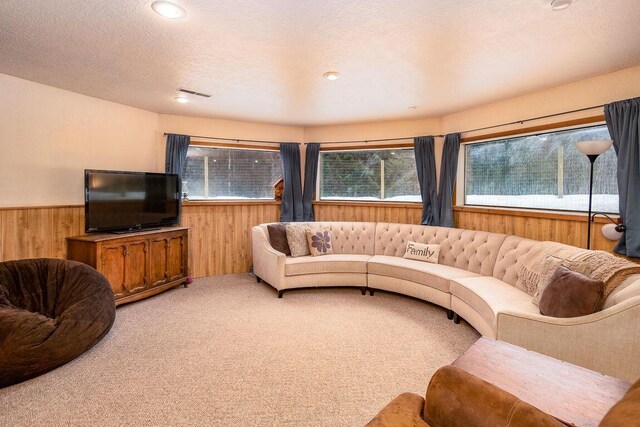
x,y
181,99
560,4
413,107
331,75
168,10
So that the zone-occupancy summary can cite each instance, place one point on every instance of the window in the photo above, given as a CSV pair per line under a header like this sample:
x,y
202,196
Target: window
x,y
543,171
229,173
375,175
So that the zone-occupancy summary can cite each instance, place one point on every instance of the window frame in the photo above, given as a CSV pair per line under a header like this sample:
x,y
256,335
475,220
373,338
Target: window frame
x,y
385,147
232,201
460,192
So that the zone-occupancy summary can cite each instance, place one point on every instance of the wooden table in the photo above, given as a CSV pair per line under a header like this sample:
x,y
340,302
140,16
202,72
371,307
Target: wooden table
x,y
572,394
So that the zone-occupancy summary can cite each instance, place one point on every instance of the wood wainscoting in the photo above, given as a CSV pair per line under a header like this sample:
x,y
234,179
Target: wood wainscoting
x,y
404,213
563,228
39,231
220,235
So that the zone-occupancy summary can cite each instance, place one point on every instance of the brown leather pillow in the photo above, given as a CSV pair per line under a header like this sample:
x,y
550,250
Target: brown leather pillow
x,y
278,238
571,294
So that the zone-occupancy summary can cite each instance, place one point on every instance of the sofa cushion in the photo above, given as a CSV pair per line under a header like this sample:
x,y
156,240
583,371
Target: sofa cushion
x,y
434,275
320,241
297,239
335,263
549,267
278,237
490,296
571,294
422,252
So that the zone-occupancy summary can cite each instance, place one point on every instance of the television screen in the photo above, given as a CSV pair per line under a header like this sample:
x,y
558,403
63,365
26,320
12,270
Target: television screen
x,y
129,201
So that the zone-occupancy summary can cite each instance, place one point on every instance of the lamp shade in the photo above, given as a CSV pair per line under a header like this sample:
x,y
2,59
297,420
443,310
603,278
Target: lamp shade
x,y
609,231
591,148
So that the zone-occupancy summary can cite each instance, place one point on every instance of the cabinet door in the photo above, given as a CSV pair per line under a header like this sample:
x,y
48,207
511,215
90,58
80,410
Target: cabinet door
x,y
167,259
176,257
135,270
112,267
158,273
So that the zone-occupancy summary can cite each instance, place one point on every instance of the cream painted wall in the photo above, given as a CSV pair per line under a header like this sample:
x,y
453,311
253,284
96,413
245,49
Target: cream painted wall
x,y
598,90
48,137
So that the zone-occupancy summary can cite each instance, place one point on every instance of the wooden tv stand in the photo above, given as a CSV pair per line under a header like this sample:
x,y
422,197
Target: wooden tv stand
x,y
137,265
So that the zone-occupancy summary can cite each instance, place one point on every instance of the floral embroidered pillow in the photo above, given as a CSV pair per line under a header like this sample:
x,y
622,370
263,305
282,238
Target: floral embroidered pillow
x,y
320,241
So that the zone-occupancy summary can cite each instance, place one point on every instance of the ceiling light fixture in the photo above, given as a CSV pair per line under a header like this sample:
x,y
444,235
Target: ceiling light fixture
x,y
181,99
560,4
413,107
168,10
331,75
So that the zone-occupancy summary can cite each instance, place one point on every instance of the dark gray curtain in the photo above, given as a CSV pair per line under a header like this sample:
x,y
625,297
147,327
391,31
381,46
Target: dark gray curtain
x,y
177,146
291,208
424,149
312,154
623,121
448,171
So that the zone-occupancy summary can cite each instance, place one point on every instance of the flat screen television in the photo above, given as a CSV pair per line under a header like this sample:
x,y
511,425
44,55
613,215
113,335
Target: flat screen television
x,y
130,201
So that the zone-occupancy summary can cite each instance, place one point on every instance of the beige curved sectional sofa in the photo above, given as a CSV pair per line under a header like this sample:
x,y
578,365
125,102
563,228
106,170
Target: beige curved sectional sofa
x,y
475,278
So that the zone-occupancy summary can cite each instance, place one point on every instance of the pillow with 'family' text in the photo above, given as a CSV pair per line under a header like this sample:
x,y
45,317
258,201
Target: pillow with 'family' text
x,y
422,252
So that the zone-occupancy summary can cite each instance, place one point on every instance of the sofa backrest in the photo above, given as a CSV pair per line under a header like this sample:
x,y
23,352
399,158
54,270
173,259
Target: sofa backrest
x,y
510,257
475,251
517,251
350,237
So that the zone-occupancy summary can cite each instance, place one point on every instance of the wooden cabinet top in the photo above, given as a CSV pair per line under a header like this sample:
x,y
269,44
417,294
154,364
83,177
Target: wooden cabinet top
x,y
101,237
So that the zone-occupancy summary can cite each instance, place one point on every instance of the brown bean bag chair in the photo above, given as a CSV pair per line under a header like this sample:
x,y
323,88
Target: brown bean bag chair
x,y
51,311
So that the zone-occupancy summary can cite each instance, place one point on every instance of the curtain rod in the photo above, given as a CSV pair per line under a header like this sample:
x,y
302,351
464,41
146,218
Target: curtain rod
x,y
516,122
232,139
467,131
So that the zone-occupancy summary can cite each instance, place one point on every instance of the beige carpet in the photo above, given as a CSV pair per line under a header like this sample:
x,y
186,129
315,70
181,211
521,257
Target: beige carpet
x,y
227,351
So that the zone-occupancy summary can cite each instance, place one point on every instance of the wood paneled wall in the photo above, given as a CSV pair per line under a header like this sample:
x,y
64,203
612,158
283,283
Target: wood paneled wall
x,y
406,213
220,235
568,229
38,232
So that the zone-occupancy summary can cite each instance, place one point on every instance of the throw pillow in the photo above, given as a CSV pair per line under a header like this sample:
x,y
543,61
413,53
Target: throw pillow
x,y
571,294
549,266
320,242
278,238
297,239
528,279
422,252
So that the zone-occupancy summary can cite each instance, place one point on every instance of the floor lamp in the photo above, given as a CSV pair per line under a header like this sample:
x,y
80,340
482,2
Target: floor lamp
x,y
592,149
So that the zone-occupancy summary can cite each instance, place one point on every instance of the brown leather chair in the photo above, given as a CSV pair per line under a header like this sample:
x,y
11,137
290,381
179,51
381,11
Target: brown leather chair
x,y
51,311
456,398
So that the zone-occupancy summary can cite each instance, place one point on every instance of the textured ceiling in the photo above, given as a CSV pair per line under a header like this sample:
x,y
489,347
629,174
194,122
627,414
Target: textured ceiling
x,y
263,60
